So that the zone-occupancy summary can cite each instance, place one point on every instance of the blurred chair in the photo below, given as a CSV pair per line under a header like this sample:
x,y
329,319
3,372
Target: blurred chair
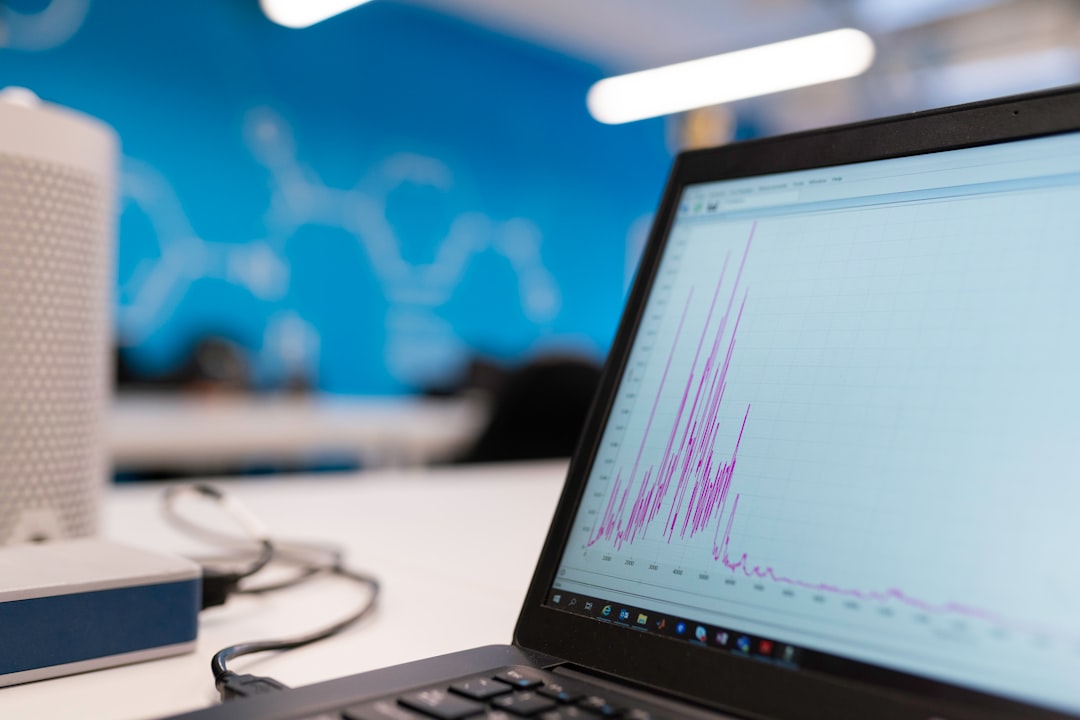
x,y
538,411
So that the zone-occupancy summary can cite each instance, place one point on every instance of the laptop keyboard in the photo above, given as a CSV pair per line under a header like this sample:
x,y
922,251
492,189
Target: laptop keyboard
x,y
507,694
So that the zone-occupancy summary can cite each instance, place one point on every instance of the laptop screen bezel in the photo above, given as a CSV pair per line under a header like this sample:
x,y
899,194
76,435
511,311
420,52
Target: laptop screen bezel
x,y
702,674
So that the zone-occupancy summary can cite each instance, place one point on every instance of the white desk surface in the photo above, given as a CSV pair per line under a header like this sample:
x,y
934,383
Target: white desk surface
x,y
454,549
187,432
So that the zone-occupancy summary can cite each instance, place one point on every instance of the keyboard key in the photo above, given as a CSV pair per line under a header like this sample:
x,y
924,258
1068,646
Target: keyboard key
x,y
518,679
441,704
525,704
480,688
598,705
562,692
567,713
380,710
636,714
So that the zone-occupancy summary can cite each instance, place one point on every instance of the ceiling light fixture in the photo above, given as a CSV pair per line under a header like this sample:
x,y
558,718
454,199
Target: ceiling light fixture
x,y
732,76
305,13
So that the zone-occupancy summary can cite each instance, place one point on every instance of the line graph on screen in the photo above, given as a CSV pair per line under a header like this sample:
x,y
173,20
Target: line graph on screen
x,y
689,489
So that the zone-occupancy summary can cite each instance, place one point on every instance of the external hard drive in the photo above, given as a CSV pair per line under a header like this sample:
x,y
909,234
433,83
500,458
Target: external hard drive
x,y
76,605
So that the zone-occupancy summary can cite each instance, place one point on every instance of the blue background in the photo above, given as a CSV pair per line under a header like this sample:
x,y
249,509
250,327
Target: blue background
x,y
369,201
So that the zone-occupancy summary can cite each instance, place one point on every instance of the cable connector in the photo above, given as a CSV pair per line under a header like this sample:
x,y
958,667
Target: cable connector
x,y
230,686
217,586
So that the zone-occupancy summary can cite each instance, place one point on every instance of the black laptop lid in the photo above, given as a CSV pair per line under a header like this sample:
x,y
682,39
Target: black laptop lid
x,y
833,462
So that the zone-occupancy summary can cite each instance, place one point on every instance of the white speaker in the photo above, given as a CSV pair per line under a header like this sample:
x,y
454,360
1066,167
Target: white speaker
x,y
57,228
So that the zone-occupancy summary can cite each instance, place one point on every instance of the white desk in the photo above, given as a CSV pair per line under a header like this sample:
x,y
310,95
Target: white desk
x,y
191,433
454,550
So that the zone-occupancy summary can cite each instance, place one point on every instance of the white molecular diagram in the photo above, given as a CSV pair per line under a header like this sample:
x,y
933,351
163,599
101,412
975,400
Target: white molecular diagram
x,y
420,345
50,27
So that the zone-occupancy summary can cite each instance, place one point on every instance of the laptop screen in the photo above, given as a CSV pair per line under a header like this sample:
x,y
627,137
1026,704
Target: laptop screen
x,y
846,435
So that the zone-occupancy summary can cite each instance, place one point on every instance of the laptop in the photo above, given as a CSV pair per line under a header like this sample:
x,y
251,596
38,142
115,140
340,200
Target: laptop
x,y
831,470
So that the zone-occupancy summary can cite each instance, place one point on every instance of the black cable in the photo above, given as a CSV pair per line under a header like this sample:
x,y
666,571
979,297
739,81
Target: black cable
x,y
302,576
219,584
307,568
219,662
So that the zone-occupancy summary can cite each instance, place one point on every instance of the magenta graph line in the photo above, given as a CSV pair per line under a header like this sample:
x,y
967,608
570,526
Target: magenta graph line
x,y
689,457
696,479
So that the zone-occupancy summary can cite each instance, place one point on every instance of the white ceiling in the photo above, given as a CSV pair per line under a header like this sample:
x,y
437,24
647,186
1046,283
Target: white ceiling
x,y
626,35
930,52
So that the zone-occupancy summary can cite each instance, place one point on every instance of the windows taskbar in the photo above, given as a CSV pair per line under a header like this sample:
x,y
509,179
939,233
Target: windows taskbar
x,y
678,628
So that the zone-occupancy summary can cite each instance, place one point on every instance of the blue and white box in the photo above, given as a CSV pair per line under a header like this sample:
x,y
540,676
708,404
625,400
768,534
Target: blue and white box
x,y
79,605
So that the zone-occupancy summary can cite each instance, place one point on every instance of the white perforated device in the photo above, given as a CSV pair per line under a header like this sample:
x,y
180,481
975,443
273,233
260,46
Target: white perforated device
x,y
57,220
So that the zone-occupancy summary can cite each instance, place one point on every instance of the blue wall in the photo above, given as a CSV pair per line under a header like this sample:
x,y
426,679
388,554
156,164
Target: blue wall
x,y
370,201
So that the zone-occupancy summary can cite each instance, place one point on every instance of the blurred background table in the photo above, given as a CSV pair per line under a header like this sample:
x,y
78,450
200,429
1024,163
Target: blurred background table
x,y
191,434
454,549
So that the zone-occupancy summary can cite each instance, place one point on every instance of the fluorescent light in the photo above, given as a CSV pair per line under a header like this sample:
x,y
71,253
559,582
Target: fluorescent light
x,y
732,76
304,13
